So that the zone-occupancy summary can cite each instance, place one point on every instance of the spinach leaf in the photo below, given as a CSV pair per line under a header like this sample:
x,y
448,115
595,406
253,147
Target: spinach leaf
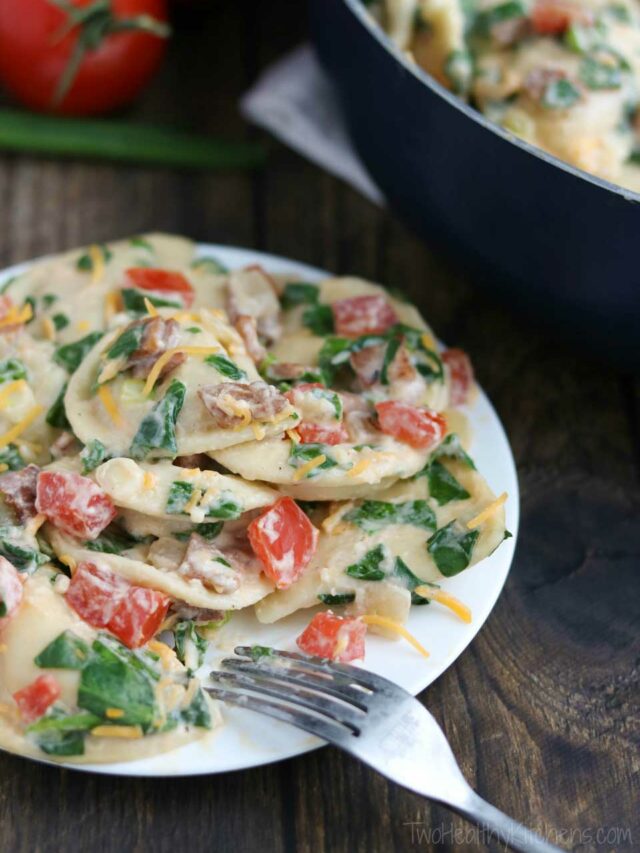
x,y
12,369
117,677
368,568
60,321
331,397
307,507
374,515
65,652
197,713
443,486
300,293
453,448
603,69
48,299
226,367
62,733
157,430
487,19
334,354
127,342
560,95
141,243
113,540
302,453
337,599
71,355
85,262
57,415
24,559
389,354
10,456
407,578
92,455
209,264
319,318
458,69
134,300
208,530
451,548
180,494
226,507
190,646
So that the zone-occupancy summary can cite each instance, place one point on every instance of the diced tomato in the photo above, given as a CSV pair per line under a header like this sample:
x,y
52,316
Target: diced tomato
x,y
74,504
284,540
10,591
338,638
554,17
106,600
34,699
166,282
363,315
460,374
321,434
138,616
421,428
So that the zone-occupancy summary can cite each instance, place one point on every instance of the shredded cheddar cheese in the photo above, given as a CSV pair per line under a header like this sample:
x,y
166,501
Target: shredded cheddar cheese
x,y
15,317
281,416
10,388
293,435
114,713
390,625
446,599
166,357
148,481
112,303
106,398
487,512
34,524
333,522
303,470
428,342
83,326
21,426
359,468
97,263
152,311
166,655
259,431
48,328
193,501
128,732
68,560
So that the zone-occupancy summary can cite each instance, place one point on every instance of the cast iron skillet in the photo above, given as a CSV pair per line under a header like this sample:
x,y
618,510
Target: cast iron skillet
x,y
550,237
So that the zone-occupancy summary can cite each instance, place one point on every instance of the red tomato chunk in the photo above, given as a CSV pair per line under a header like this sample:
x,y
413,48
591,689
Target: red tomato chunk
x,y
316,433
10,591
165,282
554,17
338,638
105,600
363,315
460,374
284,540
421,428
74,504
34,699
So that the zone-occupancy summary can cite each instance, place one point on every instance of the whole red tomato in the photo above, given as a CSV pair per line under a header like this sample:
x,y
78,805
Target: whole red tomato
x,y
80,56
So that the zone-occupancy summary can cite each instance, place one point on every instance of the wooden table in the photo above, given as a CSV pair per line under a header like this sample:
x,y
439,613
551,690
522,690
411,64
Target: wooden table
x,y
542,709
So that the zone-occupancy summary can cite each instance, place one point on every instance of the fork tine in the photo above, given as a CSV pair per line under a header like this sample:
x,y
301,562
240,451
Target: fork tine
x,y
343,673
319,726
298,695
301,678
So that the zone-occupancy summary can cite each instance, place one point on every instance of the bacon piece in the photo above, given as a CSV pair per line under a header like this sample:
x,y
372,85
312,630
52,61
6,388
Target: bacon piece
x,y
460,374
357,417
159,335
247,328
66,444
288,371
262,401
19,490
196,614
205,562
193,460
536,82
363,315
252,292
367,364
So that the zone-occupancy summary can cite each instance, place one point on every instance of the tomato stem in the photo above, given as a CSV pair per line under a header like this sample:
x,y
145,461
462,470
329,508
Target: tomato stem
x,y
123,142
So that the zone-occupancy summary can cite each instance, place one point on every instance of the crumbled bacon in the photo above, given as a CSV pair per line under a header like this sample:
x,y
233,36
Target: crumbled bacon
x,y
252,292
358,418
262,401
196,614
19,490
205,562
537,80
367,364
159,335
194,460
287,371
66,444
247,328
511,31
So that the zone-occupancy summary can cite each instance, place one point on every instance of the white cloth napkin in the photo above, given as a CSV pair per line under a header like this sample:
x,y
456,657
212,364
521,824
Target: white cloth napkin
x,y
294,101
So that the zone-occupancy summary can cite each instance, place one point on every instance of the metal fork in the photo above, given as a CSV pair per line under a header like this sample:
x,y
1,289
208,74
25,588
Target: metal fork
x,y
369,717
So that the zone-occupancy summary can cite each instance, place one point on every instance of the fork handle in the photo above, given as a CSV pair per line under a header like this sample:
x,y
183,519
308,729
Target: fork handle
x,y
506,829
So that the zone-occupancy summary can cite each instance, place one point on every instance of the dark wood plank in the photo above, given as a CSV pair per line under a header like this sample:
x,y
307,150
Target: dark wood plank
x,y
540,710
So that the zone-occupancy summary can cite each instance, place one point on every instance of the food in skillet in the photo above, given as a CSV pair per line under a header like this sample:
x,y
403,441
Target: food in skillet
x,y
179,442
561,74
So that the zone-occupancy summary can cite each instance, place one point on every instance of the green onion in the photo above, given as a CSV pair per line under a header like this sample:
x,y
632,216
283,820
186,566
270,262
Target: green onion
x,y
123,142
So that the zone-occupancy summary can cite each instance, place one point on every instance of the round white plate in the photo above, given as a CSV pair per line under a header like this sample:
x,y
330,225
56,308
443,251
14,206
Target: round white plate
x,y
248,739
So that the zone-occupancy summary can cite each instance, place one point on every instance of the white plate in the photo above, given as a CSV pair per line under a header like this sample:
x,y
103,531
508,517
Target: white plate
x,y
248,739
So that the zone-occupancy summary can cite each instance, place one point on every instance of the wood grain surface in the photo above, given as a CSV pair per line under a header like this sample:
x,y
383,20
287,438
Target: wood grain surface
x,y
542,709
